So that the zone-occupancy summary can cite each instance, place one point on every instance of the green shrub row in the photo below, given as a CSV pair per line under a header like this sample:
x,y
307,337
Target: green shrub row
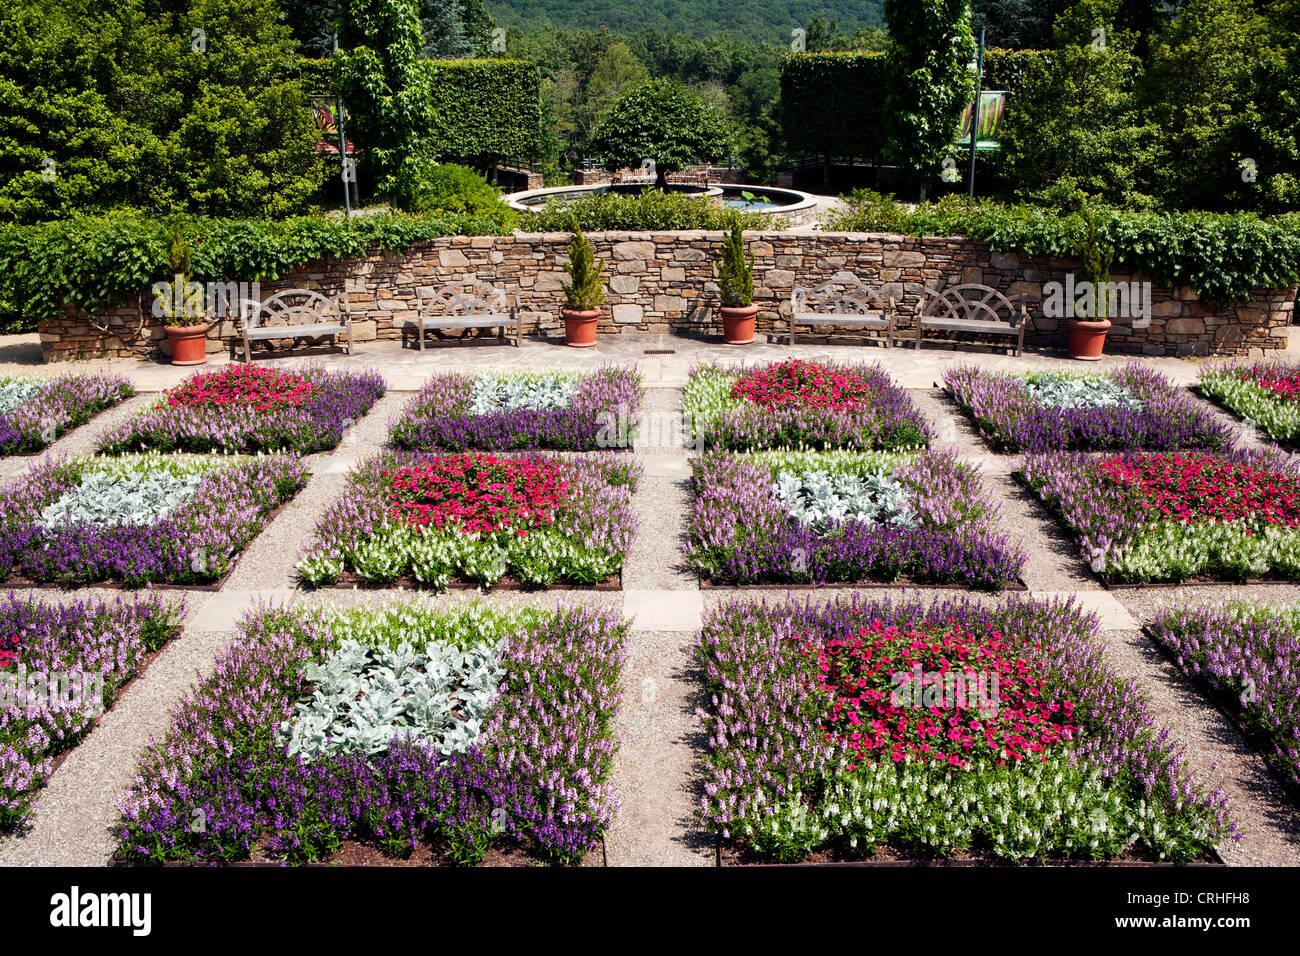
x,y
1223,257
648,211
98,262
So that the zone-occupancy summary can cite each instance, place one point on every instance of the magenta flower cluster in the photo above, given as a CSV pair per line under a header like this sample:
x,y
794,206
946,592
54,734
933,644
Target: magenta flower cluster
x,y
601,414
336,401
196,543
537,777
1108,519
741,533
62,404
880,417
1250,658
768,747
1008,416
88,644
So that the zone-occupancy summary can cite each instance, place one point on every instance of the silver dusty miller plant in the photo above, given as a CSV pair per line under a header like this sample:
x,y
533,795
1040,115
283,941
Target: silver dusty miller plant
x,y
492,393
132,498
1094,391
819,498
363,697
15,392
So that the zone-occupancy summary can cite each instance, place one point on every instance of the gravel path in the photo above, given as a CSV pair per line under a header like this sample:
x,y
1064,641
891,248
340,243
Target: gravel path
x,y
658,769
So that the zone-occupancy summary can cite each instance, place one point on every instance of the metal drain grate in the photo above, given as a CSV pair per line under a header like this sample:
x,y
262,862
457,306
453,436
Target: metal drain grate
x,y
660,351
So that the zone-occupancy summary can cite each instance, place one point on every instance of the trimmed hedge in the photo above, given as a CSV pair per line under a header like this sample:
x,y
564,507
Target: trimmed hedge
x,y
485,109
1223,257
833,103
98,262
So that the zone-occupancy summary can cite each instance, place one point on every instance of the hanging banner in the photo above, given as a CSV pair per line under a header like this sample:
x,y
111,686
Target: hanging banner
x,y
325,111
992,105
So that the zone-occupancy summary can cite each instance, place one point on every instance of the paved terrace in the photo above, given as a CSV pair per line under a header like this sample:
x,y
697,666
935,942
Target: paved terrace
x,y
657,767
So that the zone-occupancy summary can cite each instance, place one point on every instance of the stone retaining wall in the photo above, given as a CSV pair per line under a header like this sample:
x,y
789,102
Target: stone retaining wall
x,y
663,283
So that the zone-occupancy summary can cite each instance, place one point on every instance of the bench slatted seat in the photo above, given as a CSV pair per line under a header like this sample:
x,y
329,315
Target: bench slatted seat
x,y
467,304
972,308
296,314
843,301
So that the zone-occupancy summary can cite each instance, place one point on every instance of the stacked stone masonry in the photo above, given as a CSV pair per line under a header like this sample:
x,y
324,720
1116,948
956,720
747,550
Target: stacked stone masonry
x,y
664,283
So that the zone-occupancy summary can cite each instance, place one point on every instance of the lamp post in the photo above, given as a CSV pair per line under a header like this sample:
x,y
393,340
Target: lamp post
x,y
348,170
975,117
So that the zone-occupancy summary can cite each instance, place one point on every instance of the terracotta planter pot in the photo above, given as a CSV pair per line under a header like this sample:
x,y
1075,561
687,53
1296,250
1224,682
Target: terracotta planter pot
x,y
189,343
1088,339
738,324
580,327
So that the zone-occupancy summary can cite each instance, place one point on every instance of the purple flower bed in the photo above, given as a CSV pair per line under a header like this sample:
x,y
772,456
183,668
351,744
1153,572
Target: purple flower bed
x,y
62,665
742,533
599,415
336,401
1249,657
536,778
195,543
777,783
62,404
1161,416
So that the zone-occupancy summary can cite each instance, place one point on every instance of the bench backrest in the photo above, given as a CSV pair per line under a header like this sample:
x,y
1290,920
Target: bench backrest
x,y
295,307
468,297
971,302
845,294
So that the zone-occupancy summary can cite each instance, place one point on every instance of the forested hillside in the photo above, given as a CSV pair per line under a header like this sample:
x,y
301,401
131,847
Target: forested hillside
x,y
760,20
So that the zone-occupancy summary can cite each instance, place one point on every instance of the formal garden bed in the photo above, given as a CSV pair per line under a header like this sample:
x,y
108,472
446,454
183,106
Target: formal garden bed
x,y
856,729
1142,518
477,519
139,519
1128,407
1246,658
1267,394
249,409
785,517
61,665
35,412
341,734
563,411
800,404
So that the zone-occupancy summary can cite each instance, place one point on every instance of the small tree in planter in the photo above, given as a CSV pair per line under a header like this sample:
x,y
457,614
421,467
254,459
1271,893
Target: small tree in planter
x,y
736,288
584,295
665,122
1088,331
180,303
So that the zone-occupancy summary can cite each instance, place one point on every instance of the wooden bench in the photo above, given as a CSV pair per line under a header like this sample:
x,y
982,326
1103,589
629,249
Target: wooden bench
x,y
972,308
468,304
843,301
296,314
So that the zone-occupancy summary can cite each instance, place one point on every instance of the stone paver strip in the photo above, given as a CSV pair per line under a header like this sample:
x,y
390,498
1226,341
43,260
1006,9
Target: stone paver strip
x,y
1111,614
